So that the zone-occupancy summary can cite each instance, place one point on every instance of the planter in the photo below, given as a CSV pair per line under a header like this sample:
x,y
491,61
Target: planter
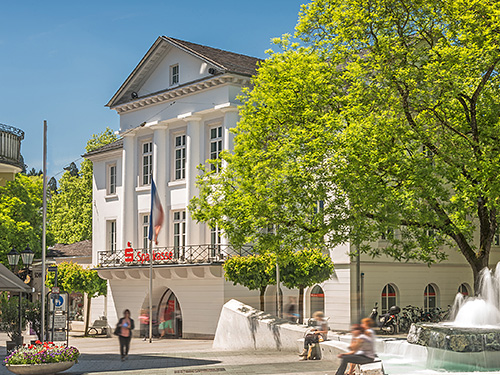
x,y
40,369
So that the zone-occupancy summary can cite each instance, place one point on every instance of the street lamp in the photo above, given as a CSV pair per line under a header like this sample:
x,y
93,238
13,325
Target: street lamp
x,y
13,257
27,256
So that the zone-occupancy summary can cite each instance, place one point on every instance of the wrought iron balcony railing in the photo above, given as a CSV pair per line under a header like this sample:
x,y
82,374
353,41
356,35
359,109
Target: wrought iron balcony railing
x,y
189,254
10,145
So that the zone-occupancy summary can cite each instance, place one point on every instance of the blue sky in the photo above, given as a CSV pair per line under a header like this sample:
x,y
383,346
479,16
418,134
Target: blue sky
x,y
61,61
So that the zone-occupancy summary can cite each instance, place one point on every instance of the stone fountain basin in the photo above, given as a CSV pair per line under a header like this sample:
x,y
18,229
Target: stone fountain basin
x,y
456,339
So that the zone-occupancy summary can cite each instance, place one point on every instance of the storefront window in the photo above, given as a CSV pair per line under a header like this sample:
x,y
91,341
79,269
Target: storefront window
x,y
389,297
76,306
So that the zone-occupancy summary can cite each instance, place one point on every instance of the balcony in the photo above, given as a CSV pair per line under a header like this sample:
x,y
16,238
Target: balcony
x,y
162,256
11,161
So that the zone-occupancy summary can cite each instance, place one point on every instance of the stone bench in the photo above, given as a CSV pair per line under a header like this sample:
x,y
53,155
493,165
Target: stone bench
x,y
331,348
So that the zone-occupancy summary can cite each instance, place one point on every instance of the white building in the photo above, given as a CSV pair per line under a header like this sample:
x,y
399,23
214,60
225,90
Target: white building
x,y
176,109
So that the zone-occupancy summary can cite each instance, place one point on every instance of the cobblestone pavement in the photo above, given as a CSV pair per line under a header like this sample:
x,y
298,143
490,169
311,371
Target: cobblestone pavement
x,y
101,356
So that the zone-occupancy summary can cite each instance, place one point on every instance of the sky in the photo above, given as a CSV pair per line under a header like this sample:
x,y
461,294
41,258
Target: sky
x,y
62,61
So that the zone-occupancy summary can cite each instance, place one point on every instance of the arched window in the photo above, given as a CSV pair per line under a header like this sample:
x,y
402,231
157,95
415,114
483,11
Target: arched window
x,y
317,300
464,289
389,297
430,297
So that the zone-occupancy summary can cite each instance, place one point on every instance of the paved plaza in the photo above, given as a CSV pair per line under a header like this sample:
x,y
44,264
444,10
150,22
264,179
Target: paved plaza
x,y
166,357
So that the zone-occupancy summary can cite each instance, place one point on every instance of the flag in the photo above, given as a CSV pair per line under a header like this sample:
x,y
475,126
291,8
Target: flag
x,y
156,216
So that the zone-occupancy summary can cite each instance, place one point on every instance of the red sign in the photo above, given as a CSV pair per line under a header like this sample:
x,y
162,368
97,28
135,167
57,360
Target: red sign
x,y
144,257
317,295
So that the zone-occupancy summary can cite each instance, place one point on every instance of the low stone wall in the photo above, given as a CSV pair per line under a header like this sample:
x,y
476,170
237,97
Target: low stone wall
x,y
456,339
243,327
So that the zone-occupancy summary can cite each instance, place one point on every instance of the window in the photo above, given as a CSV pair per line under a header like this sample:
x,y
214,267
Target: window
x,y
147,162
144,231
388,235
180,157
179,233
430,297
317,299
496,239
215,146
174,75
464,289
111,235
111,179
215,241
319,207
389,297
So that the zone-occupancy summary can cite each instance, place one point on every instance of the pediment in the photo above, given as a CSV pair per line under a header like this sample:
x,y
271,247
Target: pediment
x,y
196,62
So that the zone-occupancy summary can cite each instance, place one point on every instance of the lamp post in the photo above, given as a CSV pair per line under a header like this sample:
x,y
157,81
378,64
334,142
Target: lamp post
x,y
27,258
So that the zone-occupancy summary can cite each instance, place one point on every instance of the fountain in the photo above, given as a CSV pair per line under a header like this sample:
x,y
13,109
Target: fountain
x,y
471,342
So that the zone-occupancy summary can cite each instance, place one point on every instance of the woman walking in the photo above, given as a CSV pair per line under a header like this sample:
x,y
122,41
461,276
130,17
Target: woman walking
x,y
124,329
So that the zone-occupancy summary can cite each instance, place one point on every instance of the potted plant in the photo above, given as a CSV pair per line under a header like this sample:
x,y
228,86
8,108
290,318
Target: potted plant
x,y
9,320
41,358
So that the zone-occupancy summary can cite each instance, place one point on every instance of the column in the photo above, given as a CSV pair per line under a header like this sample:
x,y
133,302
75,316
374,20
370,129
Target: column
x,y
129,204
160,160
194,156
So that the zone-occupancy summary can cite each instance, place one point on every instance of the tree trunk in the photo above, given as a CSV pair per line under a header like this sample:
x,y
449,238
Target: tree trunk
x,y
301,305
87,317
262,292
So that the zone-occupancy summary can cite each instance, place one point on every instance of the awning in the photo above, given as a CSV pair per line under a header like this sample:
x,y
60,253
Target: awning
x,y
10,282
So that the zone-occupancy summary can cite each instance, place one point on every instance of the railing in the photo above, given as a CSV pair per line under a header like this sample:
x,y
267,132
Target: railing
x,y
10,145
192,254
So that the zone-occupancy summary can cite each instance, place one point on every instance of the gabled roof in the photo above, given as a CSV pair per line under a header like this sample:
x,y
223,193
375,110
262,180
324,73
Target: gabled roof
x,y
223,61
77,249
229,61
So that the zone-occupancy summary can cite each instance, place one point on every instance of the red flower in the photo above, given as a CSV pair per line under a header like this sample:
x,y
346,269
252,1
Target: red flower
x,y
38,342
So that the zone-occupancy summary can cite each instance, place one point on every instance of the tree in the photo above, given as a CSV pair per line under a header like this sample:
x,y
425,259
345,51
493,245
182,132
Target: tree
x,y
70,210
254,272
72,277
52,185
419,152
303,269
20,215
9,316
388,113
272,191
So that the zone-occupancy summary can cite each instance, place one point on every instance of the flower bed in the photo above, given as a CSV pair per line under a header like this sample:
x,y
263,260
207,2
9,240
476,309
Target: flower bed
x,y
46,352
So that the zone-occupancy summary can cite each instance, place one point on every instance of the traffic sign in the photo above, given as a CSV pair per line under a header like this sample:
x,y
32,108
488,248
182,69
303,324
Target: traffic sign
x,y
52,268
60,301
55,290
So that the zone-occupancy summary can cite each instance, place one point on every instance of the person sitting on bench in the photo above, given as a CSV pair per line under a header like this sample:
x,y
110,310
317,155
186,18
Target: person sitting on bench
x,y
320,329
362,350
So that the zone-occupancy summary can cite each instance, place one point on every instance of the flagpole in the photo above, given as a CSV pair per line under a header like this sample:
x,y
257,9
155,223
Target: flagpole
x,y
150,291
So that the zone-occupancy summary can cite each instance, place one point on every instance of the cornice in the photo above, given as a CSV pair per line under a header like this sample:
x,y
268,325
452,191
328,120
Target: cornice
x,y
184,90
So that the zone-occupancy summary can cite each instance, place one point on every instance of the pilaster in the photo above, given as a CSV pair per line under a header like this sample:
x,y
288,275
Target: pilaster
x,y
194,157
129,204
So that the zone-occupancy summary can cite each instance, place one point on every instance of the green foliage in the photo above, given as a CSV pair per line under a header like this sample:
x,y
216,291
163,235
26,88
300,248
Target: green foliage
x,y
9,315
390,106
275,178
70,210
253,271
20,215
72,277
305,268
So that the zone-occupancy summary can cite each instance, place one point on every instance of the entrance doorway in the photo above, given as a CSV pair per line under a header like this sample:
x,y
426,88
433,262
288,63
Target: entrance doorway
x,y
169,316
317,300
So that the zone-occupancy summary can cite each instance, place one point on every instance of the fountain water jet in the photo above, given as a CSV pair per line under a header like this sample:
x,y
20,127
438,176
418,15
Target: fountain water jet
x,y
472,340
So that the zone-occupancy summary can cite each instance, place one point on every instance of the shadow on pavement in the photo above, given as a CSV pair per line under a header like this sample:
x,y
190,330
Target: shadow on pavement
x,y
112,362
